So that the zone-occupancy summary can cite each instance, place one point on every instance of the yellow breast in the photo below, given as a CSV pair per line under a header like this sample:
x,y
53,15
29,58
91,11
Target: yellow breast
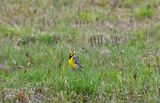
x,y
71,63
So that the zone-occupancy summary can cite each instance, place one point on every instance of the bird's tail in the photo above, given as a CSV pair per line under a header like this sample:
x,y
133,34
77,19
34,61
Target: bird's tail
x,y
81,67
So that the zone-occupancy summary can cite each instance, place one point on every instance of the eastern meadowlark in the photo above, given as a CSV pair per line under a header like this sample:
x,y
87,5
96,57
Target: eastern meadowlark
x,y
74,61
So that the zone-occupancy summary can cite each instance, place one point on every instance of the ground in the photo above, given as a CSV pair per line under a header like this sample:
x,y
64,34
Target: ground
x,y
117,42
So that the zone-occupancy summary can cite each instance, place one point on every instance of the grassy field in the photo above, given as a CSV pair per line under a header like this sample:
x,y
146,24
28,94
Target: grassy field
x,y
117,42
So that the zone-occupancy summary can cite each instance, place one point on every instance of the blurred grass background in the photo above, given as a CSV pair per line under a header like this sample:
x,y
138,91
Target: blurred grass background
x,y
117,42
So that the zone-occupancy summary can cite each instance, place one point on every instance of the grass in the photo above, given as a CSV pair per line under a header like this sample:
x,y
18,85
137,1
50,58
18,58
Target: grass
x,y
119,50
144,12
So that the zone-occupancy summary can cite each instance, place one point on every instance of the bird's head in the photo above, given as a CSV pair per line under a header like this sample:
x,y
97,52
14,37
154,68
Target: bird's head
x,y
72,53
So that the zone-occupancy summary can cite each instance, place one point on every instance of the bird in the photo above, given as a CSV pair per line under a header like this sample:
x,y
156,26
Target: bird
x,y
74,61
